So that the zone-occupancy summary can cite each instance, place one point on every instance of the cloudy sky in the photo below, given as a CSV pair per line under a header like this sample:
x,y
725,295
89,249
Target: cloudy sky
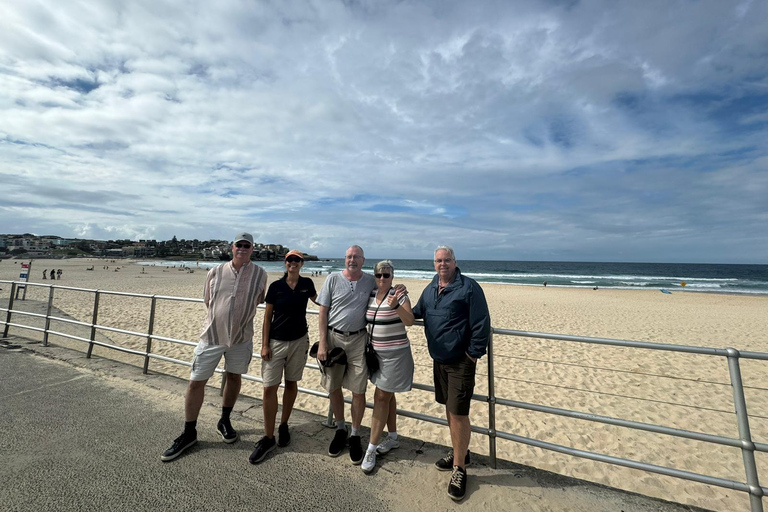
x,y
519,130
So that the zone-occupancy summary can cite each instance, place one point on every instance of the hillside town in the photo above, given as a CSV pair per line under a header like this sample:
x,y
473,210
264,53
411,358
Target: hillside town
x,y
51,246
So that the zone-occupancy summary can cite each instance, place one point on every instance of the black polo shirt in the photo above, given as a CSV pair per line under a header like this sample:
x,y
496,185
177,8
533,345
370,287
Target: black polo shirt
x,y
289,313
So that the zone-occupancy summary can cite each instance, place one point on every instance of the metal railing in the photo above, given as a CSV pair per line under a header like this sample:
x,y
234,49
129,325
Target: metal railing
x,y
733,356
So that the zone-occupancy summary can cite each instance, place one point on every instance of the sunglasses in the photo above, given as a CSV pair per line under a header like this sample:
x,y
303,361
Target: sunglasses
x,y
243,246
385,276
293,259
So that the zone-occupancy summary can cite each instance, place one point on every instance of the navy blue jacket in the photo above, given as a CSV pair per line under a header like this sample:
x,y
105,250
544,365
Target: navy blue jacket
x,y
456,321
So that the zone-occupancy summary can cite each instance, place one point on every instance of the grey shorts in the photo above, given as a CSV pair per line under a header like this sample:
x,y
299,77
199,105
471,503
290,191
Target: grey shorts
x,y
353,376
395,373
287,356
207,357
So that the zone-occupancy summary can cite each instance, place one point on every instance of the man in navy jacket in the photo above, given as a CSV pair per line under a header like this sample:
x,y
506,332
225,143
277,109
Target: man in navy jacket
x,y
457,325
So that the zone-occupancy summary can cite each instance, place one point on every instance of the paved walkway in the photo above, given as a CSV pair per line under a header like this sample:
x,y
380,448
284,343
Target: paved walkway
x,y
86,434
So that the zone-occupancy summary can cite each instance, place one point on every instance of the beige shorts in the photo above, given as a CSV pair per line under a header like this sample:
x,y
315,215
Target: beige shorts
x,y
353,376
287,356
207,357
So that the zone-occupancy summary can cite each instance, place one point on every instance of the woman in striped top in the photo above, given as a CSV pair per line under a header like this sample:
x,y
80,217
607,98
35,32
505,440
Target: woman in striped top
x,y
388,313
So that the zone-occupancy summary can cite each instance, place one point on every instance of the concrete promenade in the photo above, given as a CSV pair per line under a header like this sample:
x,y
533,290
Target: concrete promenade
x,y
81,434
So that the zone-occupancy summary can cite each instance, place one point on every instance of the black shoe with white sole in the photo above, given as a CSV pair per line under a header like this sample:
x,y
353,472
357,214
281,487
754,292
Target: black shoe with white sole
x,y
228,434
180,444
457,487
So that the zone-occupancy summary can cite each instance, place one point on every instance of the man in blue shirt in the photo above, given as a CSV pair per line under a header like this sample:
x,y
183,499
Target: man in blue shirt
x,y
457,325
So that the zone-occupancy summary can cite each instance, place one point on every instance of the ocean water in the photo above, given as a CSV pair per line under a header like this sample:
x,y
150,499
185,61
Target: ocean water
x,y
674,277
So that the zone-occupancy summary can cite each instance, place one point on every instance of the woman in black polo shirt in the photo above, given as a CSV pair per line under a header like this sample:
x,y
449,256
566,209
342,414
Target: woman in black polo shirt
x,y
284,347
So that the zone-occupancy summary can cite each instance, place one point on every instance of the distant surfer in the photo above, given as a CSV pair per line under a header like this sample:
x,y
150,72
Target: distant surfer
x,y
545,284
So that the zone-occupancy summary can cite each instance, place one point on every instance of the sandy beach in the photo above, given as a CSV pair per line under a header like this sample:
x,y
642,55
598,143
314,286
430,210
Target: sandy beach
x,y
677,390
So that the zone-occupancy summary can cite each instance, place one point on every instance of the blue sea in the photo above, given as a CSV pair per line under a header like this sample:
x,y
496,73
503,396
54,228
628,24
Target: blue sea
x,y
674,277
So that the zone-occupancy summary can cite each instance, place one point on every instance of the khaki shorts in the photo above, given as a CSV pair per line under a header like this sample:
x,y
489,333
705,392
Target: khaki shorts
x,y
207,357
353,376
288,356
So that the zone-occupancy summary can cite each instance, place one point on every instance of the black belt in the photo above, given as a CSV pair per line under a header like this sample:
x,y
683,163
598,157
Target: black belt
x,y
347,333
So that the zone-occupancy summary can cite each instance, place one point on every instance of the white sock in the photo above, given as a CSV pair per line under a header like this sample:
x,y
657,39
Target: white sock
x,y
341,425
354,432
372,447
393,436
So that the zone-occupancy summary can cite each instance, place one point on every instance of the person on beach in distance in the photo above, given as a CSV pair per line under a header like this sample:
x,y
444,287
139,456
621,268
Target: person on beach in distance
x,y
389,311
284,348
343,300
232,292
457,325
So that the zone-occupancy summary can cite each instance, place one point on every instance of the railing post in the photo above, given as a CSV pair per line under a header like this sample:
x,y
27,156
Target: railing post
x,y
491,404
48,315
10,307
329,421
149,333
94,321
747,446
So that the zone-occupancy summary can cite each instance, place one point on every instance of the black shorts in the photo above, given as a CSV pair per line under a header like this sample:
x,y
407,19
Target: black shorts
x,y
455,384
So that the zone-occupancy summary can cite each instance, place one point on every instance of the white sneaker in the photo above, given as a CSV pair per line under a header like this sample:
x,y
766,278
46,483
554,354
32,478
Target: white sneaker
x,y
387,445
369,461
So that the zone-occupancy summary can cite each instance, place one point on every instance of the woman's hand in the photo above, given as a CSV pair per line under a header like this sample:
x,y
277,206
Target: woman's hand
x,y
266,353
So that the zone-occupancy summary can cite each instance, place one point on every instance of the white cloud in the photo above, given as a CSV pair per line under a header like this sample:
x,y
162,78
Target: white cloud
x,y
462,121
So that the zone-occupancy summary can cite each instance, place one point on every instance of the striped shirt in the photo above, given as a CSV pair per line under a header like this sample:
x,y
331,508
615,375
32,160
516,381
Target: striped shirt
x,y
388,331
231,298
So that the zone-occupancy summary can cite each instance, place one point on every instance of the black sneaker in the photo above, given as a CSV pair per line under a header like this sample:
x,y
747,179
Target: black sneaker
x,y
446,463
226,431
180,444
355,450
263,447
283,436
457,488
338,443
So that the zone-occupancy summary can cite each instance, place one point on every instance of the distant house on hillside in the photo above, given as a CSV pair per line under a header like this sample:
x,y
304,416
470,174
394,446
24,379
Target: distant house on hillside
x,y
138,250
214,252
57,241
31,244
269,252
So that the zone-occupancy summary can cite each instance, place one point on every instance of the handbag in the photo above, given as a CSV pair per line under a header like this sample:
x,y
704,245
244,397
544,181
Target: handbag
x,y
371,359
